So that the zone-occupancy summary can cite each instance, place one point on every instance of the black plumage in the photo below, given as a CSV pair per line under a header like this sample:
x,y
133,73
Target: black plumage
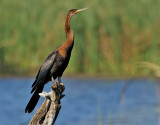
x,y
54,65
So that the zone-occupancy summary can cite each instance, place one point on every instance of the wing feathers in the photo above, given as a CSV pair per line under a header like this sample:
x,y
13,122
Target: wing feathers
x,y
44,71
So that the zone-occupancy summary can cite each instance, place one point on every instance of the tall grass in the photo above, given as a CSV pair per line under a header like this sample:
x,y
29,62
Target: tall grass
x,y
110,37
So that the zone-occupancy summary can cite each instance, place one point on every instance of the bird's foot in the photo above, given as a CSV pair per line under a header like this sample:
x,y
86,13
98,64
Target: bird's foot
x,y
60,88
56,84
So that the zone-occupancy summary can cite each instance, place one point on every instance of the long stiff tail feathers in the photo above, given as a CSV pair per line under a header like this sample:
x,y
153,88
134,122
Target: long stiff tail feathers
x,y
34,99
41,78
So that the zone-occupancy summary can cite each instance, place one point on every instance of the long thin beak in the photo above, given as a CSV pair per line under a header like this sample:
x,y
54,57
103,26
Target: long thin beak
x,y
79,10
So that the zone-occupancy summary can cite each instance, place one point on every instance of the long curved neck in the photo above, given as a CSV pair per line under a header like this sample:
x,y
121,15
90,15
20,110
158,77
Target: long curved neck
x,y
67,24
69,32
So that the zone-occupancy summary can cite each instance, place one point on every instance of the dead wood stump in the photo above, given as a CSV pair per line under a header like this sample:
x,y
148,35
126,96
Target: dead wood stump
x,y
49,110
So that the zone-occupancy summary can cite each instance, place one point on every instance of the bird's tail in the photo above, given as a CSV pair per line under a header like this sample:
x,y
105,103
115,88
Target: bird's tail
x,y
34,99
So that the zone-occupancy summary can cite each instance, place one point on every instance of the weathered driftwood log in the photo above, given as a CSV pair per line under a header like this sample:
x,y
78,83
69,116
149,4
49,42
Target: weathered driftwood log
x,y
49,110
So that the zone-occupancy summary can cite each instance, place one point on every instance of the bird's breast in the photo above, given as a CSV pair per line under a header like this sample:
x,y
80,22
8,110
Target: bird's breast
x,y
62,59
60,65
62,52
65,50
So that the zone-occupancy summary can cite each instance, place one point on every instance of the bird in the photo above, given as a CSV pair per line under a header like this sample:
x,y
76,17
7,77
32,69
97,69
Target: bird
x,y
55,64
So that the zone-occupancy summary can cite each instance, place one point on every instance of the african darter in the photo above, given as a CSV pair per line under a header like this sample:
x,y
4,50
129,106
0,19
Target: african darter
x,y
55,63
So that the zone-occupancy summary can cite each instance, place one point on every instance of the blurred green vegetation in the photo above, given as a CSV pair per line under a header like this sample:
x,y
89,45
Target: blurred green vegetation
x,y
110,37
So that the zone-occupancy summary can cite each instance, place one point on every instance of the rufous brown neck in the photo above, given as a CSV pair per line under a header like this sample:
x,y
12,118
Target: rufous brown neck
x,y
67,24
69,32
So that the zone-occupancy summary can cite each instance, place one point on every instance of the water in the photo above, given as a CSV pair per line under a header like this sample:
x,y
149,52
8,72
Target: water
x,y
87,102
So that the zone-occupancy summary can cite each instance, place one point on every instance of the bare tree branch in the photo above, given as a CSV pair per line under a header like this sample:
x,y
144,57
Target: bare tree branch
x,y
49,110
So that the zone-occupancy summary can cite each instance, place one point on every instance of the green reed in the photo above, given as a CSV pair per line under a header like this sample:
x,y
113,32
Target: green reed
x,y
110,37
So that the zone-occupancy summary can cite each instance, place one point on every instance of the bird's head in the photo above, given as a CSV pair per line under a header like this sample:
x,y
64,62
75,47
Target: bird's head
x,y
69,16
75,11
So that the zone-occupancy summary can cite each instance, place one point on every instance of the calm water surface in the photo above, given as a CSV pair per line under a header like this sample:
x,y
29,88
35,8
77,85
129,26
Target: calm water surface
x,y
87,102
